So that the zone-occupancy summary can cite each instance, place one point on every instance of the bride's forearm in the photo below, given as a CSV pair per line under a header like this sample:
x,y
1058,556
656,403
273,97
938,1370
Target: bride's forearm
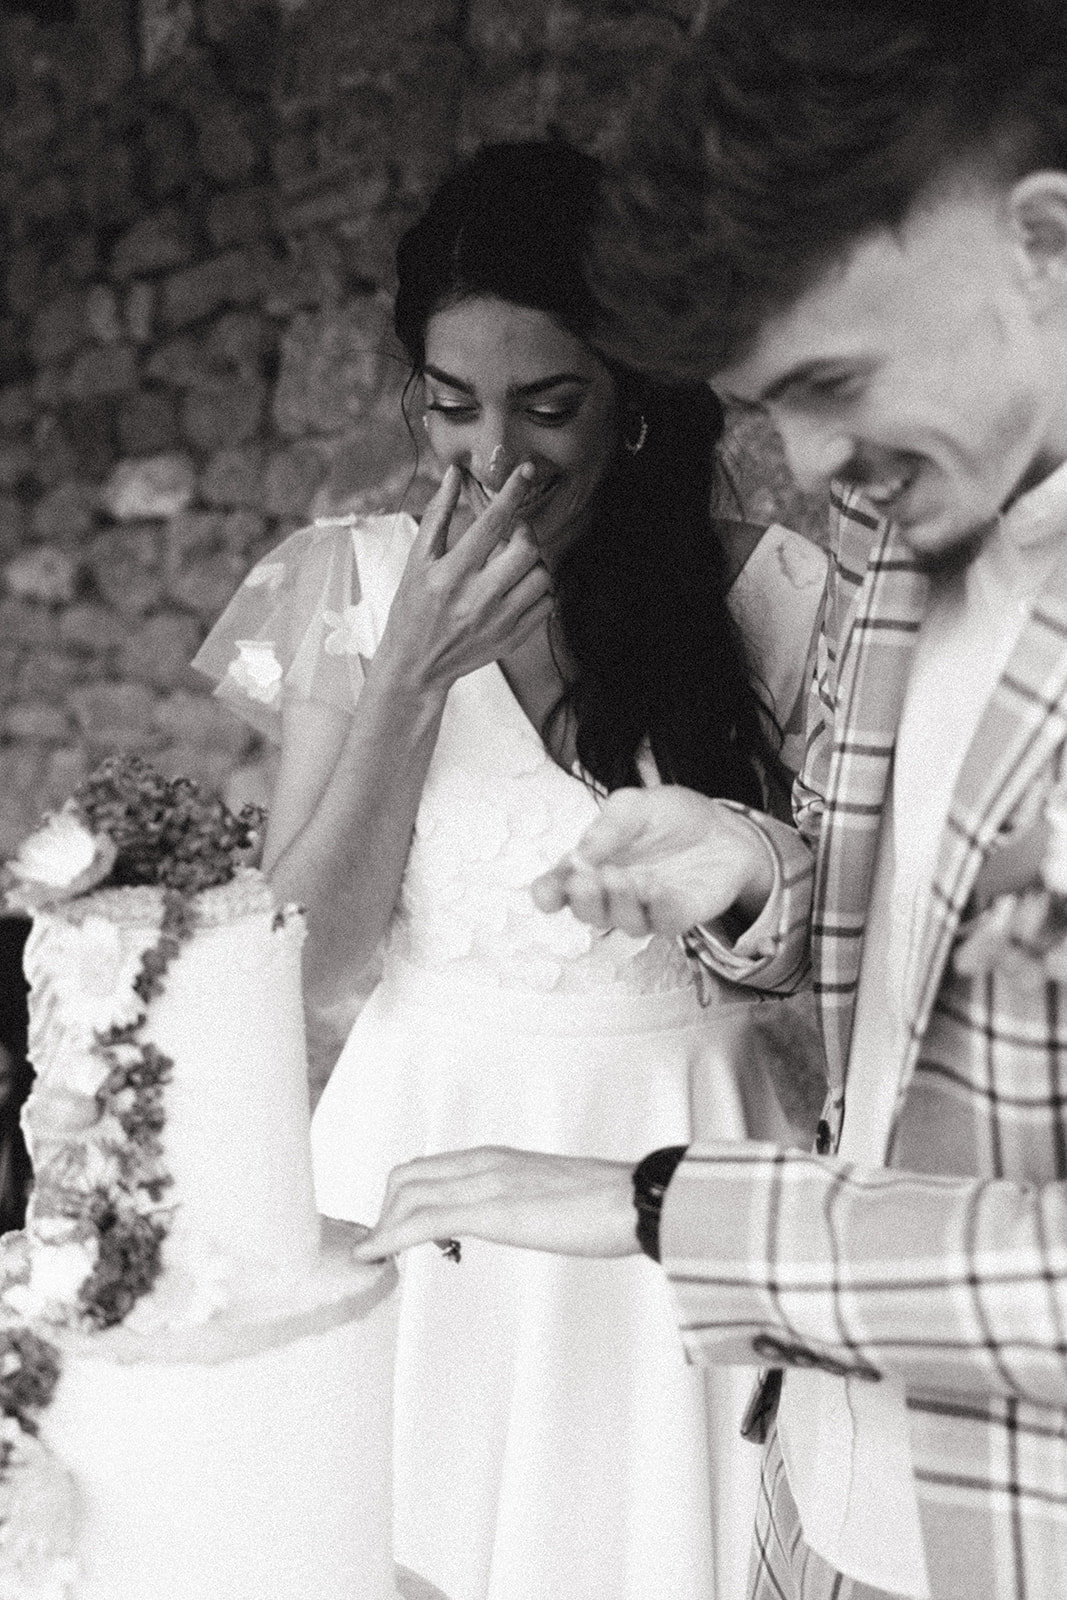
x,y
345,863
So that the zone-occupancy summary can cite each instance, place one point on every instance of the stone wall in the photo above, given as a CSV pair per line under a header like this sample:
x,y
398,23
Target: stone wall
x,y
201,199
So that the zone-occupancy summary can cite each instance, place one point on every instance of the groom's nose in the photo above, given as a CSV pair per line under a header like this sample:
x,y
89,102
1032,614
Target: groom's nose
x,y
815,451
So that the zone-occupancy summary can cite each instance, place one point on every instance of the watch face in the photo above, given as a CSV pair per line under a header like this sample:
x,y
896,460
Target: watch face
x,y
654,1173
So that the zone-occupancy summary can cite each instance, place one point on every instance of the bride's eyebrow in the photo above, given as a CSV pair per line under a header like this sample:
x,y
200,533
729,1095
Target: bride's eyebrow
x,y
521,391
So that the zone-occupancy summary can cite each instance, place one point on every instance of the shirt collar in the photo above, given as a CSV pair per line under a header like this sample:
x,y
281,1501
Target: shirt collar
x,y
1040,514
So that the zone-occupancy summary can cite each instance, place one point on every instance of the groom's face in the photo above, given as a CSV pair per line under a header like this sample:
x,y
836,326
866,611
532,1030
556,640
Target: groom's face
x,y
915,369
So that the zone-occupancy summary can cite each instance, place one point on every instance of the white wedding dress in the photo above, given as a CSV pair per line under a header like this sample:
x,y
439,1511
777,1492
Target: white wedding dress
x,y
551,1441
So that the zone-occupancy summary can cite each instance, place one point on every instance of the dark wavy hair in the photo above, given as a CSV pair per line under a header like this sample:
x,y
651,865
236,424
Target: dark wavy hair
x,y
791,130
640,598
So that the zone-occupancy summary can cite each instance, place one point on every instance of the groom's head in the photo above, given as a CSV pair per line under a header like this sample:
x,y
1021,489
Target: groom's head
x,y
856,216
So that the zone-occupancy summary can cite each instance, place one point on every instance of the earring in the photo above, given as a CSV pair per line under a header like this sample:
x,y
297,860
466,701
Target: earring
x,y
634,447
426,420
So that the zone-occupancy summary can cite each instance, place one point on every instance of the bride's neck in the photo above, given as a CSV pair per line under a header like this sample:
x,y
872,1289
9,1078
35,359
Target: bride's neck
x,y
535,674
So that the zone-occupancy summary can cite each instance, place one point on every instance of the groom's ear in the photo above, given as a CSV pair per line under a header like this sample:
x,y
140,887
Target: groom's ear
x,y
1038,212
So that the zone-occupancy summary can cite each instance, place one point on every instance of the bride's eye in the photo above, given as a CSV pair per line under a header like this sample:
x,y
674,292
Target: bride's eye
x,y
455,411
555,416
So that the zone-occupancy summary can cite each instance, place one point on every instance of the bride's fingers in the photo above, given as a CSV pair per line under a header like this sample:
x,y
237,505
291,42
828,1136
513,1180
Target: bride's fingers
x,y
494,524
626,905
436,519
583,892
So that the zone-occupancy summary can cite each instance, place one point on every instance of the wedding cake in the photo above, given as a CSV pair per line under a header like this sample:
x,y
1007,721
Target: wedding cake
x,y
196,1377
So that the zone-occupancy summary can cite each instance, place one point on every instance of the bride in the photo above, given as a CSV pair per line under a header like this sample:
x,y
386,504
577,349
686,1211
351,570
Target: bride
x,y
453,699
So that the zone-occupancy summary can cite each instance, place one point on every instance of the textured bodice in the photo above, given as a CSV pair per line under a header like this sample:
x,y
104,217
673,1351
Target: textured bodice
x,y
495,812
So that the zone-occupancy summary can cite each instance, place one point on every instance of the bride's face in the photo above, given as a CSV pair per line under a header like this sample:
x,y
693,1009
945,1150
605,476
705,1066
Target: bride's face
x,y
505,384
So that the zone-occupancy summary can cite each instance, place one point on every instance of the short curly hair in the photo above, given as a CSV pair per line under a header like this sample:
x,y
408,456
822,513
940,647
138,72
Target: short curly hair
x,y
792,129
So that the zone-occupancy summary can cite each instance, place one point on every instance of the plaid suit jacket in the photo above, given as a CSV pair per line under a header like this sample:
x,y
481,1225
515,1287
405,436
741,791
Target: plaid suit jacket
x,y
947,1267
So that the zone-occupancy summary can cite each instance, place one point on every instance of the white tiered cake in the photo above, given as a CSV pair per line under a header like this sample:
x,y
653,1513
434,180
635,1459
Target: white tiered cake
x,y
228,1431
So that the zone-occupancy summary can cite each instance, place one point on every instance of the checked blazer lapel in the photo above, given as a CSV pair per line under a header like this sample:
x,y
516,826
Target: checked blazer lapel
x,y
1020,730
873,675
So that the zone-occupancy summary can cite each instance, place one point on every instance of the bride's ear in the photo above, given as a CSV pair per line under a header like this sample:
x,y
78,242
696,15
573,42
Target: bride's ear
x,y
1038,209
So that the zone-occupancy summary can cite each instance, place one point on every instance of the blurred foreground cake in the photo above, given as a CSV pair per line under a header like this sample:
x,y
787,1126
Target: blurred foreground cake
x,y
195,1376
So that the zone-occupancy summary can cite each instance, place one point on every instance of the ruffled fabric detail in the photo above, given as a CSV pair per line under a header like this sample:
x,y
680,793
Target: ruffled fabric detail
x,y
307,618
496,812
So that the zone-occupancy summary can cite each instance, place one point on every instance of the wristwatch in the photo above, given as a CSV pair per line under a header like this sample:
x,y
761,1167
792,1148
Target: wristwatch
x,y
650,1179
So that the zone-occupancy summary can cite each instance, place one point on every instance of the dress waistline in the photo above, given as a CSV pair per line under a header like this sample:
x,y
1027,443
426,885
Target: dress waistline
x,y
610,1009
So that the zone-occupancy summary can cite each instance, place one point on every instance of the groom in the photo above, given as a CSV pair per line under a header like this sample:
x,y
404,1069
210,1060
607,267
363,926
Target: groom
x,y
855,218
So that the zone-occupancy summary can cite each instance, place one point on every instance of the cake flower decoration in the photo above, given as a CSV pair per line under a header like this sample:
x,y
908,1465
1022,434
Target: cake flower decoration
x,y
97,1217
62,859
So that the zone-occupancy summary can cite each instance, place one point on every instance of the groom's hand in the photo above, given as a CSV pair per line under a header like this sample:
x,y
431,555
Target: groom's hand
x,y
569,1205
660,860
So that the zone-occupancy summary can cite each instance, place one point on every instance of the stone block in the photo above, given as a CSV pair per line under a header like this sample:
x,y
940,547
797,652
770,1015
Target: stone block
x,y
189,534
207,765
502,32
59,328
114,716
103,314
240,340
292,158
243,534
108,186
245,33
201,290
102,370
206,584
92,628
241,216
64,769
228,144
82,260
230,415
166,29
42,572
140,311
14,523
49,388
152,486
292,478
25,622
170,142
148,423
22,279
234,478
49,674
36,721
47,201
201,721
65,514
16,462
127,567
16,407
183,362
90,427
371,467
54,457
22,767
160,650
12,349
32,119
159,242
311,275
331,366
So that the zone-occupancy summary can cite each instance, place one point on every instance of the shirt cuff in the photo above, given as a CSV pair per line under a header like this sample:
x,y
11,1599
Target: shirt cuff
x,y
710,942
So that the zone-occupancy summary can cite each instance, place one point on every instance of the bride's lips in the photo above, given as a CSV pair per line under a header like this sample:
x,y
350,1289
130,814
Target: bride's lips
x,y
531,502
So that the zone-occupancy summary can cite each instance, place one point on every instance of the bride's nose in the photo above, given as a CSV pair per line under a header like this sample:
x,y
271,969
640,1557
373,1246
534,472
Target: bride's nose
x,y
493,463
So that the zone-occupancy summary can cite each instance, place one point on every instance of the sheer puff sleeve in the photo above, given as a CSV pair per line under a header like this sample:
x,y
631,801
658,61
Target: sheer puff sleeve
x,y
307,618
